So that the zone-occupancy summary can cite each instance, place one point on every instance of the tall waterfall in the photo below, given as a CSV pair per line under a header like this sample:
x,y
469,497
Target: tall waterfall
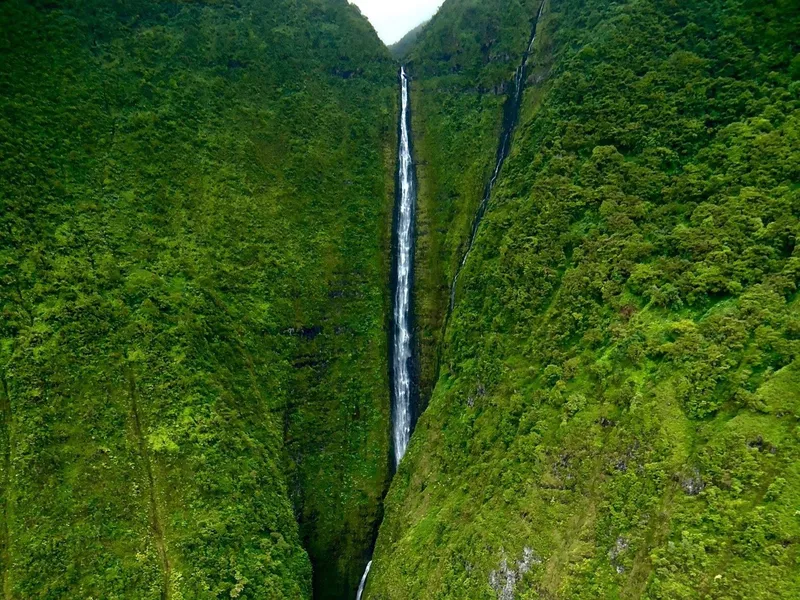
x,y
402,282
510,118
402,412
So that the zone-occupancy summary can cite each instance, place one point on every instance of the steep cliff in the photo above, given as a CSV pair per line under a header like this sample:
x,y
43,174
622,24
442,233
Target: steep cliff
x,y
461,65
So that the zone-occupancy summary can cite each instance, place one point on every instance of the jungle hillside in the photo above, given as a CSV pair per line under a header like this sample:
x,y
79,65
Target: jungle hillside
x,y
617,391
197,203
196,199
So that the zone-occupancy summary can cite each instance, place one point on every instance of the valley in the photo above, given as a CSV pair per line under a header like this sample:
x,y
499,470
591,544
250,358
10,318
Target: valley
x,y
509,311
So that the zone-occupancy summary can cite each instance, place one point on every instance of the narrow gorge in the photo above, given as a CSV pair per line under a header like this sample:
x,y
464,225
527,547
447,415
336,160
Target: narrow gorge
x,y
511,109
403,367
405,387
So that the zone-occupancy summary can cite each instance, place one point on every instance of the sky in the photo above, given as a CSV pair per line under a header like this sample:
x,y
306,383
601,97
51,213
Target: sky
x,y
392,19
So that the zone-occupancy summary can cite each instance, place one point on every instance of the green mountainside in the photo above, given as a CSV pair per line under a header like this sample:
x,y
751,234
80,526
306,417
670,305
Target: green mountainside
x,y
196,201
400,49
195,261
616,411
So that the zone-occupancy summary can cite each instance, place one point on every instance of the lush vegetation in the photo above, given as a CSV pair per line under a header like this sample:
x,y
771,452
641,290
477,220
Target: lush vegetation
x,y
194,209
194,248
617,409
460,64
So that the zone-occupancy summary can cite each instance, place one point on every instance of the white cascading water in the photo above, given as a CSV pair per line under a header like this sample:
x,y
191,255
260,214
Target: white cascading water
x,y
401,339
363,581
404,259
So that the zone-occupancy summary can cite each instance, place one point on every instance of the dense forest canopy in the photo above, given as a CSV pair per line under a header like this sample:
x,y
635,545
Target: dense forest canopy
x,y
195,198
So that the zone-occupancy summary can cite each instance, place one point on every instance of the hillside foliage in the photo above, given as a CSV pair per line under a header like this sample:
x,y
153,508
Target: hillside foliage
x,y
194,264
193,261
617,409
401,48
460,66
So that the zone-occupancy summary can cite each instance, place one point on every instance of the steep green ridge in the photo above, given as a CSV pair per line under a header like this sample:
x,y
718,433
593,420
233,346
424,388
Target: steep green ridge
x,y
617,411
400,49
193,254
460,66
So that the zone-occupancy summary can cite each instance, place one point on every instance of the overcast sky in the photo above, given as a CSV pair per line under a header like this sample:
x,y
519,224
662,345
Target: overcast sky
x,y
392,19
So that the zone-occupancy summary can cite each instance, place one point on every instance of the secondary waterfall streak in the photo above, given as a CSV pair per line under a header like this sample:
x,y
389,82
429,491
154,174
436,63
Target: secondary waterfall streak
x,y
404,258
510,118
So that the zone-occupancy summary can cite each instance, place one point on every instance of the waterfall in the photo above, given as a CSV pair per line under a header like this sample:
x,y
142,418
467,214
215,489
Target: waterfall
x,y
510,118
402,282
403,258
402,385
363,581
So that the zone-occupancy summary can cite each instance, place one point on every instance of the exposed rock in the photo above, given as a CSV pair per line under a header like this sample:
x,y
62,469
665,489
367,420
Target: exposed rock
x,y
693,484
307,333
529,559
761,445
504,580
619,547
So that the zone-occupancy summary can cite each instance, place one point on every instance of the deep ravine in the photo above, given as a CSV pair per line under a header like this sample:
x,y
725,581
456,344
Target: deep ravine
x,y
402,356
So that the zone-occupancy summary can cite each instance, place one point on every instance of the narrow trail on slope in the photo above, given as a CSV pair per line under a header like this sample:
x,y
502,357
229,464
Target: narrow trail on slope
x,y
155,520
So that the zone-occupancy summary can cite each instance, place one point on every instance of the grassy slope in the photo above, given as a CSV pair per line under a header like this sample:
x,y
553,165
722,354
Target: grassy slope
x,y
192,255
617,413
460,65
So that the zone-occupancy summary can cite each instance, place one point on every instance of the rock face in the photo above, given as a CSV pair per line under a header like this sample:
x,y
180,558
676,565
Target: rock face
x,y
504,580
619,548
692,484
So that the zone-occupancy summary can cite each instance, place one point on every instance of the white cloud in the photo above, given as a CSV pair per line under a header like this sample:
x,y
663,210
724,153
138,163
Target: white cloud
x,y
392,19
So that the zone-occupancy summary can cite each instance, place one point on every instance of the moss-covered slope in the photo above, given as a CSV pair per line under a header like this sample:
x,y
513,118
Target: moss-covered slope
x,y
194,203
617,411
